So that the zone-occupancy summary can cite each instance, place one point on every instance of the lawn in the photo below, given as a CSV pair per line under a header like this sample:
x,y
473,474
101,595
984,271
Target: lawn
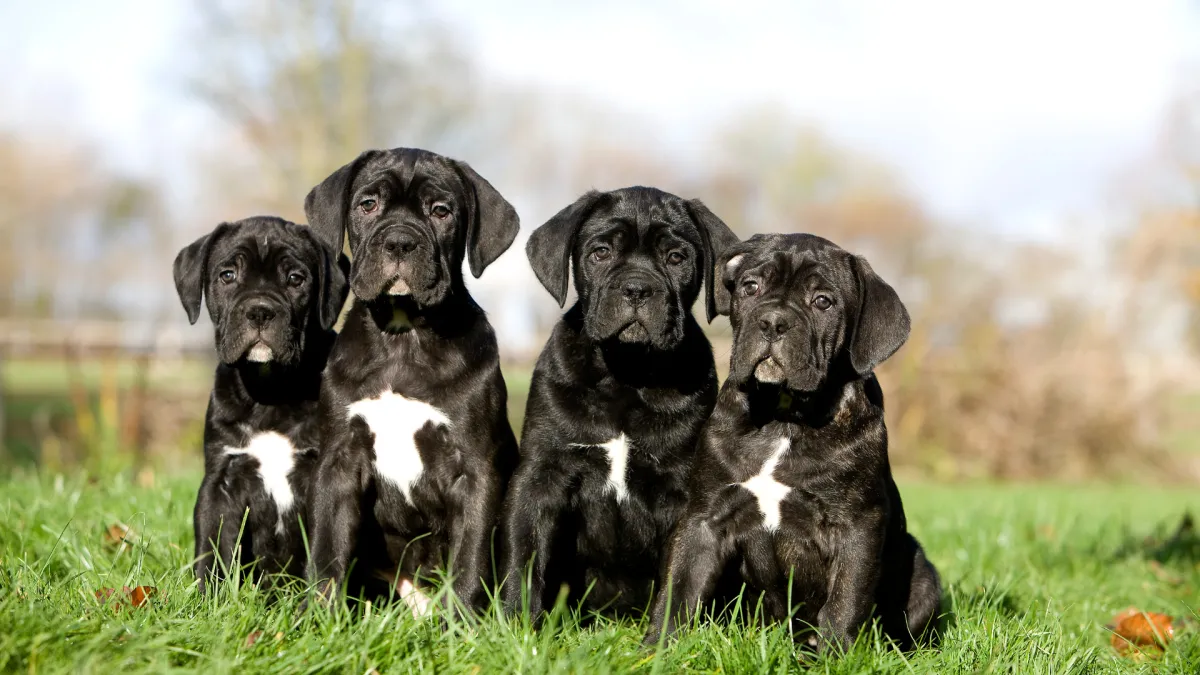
x,y
1034,573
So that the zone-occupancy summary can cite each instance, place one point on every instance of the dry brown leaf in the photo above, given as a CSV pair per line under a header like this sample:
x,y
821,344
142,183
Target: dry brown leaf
x,y
252,638
1138,634
117,534
138,596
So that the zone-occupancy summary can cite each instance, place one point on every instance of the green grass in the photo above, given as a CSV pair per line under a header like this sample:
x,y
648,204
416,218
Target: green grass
x,y
56,376
1034,573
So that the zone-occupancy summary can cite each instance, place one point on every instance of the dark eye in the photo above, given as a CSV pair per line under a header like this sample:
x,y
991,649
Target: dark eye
x,y
368,205
822,302
295,279
675,257
440,210
227,276
749,287
601,253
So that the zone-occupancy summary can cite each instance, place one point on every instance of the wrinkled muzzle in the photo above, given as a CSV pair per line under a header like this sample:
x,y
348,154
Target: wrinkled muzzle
x,y
260,329
635,308
778,346
400,260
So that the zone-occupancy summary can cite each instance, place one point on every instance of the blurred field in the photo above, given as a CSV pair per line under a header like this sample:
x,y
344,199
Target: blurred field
x,y
1034,573
122,413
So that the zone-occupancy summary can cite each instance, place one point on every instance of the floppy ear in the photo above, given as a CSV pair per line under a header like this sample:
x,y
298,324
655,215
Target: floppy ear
x,y
327,204
191,272
883,322
332,272
493,222
722,276
717,239
190,276
549,247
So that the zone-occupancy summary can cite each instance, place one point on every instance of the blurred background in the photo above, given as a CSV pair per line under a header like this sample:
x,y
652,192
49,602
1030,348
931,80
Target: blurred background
x,y
1026,173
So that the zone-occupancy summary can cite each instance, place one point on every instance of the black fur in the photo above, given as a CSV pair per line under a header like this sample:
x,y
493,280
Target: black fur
x,y
412,216
272,290
810,323
627,360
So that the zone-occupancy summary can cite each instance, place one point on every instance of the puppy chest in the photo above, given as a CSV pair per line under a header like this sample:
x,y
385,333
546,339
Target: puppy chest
x,y
607,465
275,458
399,427
767,489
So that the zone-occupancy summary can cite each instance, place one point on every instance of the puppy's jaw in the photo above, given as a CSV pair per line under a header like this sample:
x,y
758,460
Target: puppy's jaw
x,y
656,324
399,288
281,344
768,371
260,353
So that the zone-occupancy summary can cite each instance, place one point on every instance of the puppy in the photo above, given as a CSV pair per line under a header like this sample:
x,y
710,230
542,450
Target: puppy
x,y
791,493
274,290
416,447
617,399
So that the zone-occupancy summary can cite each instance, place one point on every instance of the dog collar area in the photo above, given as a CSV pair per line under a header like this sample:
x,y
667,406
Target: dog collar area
x,y
399,321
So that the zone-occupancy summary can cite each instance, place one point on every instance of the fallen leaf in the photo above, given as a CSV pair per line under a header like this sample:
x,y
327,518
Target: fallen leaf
x,y
252,638
1138,634
138,596
117,534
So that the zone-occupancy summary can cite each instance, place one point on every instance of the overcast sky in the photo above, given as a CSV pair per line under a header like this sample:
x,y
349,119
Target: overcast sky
x,y
1012,113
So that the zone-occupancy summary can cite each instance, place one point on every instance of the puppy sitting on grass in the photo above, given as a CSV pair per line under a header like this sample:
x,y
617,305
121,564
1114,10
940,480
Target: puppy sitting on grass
x,y
791,493
273,291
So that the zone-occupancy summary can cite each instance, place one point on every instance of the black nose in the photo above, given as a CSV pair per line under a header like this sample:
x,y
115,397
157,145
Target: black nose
x,y
774,324
259,314
636,291
399,243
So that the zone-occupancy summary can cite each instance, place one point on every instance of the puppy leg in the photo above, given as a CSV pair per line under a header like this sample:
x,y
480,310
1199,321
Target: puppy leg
x,y
762,570
217,522
336,512
536,501
853,579
693,566
924,599
478,495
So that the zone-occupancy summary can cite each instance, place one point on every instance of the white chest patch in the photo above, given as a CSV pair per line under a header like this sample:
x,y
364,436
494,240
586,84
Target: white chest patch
x,y
395,421
769,492
618,460
276,457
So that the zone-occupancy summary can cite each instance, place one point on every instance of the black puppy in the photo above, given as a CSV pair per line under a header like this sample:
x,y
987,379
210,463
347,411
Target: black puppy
x,y
617,399
791,481
274,290
416,446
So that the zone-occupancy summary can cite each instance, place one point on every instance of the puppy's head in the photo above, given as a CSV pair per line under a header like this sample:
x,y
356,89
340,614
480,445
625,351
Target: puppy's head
x,y
799,305
268,284
412,216
640,257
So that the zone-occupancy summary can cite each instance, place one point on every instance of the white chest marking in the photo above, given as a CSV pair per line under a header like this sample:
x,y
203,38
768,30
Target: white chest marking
x,y
766,489
395,421
618,460
276,457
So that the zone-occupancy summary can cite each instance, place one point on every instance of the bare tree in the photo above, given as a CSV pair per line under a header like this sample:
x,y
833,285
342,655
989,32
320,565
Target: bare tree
x,y
307,85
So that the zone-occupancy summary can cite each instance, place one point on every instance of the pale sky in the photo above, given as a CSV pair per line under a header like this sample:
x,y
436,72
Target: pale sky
x,y
1012,113
1009,114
